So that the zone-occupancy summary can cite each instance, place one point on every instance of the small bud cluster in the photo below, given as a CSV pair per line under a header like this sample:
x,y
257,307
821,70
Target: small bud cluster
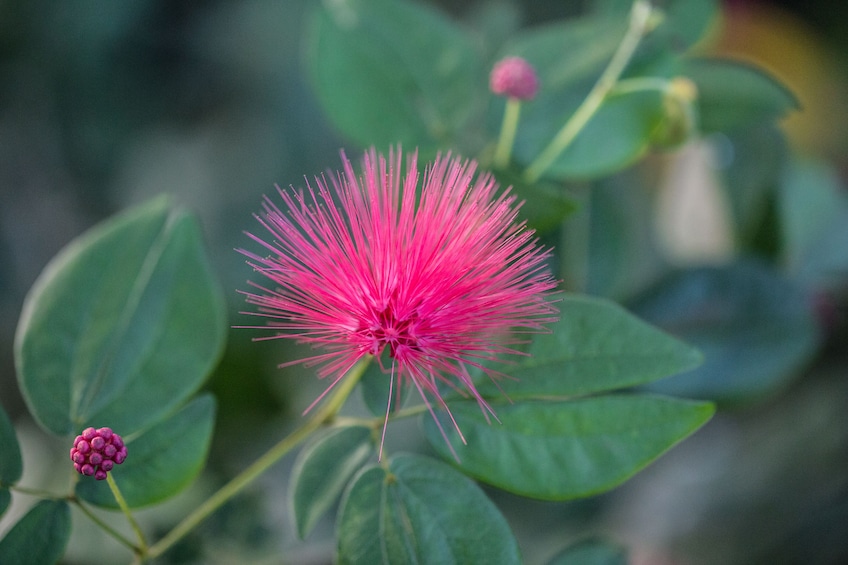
x,y
95,452
514,77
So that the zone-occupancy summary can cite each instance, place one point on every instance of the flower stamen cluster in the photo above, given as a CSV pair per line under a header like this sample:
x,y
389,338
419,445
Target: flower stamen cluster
x,y
96,452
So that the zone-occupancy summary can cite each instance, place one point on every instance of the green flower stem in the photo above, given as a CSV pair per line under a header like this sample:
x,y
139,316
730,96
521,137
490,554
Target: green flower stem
x,y
512,110
104,526
243,479
142,543
641,84
639,18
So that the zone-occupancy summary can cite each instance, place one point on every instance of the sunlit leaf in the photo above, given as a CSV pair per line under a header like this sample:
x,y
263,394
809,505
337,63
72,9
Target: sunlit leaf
x,y
160,462
567,449
419,510
40,537
323,469
122,326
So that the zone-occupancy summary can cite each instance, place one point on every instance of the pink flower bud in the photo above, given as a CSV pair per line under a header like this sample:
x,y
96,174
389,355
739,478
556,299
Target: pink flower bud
x,y
96,452
514,77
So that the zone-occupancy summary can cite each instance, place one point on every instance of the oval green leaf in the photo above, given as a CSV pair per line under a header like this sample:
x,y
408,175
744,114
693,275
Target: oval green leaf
x,y
11,465
323,469
389,72
734,95
162,461
40,537
377,387
755,327
564,450
421,511
122,326
596,346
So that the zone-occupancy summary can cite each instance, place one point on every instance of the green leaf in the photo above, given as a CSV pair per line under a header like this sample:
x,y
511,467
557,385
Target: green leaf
x,y
591,552
596,346
755,328
40,537
160,462
733,95
323,469
813,207
564,450
615,137
122,326
544,204
5,500
11,465
389,72
376,386
421,511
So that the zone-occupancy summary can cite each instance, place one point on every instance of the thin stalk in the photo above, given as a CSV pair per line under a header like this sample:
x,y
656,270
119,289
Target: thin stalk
x,y
509,126
639,17
104,526
142,543
243,479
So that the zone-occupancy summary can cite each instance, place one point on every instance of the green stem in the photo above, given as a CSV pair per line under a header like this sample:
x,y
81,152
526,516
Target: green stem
x,y
142,543
641,84
243,479
509,126
104,526
639,17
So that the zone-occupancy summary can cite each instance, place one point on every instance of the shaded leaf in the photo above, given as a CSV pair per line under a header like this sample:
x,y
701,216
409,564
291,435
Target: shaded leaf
x,y
563,450
421,511
755,328
11,465
734,95
596,346
591,552
162,461
545,204
389,72
323,469
376,385
122,326
40,537
5,500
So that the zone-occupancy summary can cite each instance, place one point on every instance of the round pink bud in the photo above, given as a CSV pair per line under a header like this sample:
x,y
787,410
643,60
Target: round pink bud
x,y
95,459
514,77
87,470
83,447
117,441
107,465
121,456
78,458
109,451
78,467
96,452
105,433
89,433
98,443
100,474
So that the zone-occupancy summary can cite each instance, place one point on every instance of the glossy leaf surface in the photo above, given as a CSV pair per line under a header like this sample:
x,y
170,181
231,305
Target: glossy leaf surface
x,y
40,537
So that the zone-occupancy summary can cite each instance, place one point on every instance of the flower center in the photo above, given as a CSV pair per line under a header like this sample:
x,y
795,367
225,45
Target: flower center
x,y
388,330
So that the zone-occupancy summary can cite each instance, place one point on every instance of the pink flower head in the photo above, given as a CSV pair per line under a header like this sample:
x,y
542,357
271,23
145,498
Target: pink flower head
x,y
96,452
514,77
438,275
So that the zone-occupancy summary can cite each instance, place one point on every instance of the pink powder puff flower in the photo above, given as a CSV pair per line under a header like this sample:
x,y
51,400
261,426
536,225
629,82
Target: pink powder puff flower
x,y
441,278
514,77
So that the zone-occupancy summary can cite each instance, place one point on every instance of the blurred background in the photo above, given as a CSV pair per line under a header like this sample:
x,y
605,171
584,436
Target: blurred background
x,y
106,104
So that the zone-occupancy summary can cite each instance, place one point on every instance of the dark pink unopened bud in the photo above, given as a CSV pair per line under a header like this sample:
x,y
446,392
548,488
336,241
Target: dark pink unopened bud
x,y
96,452
514,77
